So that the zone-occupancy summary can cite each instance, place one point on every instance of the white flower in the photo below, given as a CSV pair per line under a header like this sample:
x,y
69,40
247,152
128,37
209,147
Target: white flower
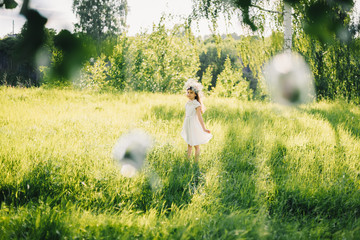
x,y
130,151
289,79
194,85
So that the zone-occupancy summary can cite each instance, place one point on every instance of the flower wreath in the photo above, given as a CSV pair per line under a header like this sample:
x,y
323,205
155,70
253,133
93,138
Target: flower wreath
x,y
193,85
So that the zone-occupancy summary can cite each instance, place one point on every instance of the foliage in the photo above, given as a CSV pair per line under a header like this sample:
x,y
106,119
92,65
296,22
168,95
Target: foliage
x,y
9,4
322,19
19,68
335,66
33,40
119,70
230,83
75,50
99,18
108,44
48,79
295,177
163,60
247,56
94,75
207,79
8,46
255,53
158,62
70,52
33,33
213,52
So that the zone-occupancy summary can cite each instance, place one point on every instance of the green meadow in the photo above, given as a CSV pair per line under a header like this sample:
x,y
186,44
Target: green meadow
x,y
270,172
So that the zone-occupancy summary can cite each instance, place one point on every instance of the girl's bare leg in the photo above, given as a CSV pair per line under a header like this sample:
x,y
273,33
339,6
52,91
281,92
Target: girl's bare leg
x,y
189,151
197,153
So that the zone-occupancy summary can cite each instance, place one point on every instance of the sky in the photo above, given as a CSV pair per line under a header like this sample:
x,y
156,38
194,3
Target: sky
x,y
142,14
59,14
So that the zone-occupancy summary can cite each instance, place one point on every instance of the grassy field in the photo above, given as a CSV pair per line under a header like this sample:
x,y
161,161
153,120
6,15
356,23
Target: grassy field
x,y
268,173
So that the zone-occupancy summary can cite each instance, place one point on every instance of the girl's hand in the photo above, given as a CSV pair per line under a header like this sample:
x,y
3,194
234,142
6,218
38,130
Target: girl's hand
x,y
207,130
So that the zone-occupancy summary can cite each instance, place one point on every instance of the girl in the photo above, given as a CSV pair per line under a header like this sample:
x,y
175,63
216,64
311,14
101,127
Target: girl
x,y
194,131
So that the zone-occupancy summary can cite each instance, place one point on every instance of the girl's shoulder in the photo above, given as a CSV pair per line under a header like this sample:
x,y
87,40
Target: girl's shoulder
x,y
196,102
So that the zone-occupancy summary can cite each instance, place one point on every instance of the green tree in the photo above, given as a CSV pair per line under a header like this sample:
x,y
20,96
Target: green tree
x,y
94,75
99,18
214,52
207,78
230,83
33,39
21,68
119,70
163,60
334,66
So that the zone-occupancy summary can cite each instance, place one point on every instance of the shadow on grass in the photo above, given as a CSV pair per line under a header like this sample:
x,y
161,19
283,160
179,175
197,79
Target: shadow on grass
x,y
40,222
291,199
179,177
41,182
313,209
340,115
57,185
237,182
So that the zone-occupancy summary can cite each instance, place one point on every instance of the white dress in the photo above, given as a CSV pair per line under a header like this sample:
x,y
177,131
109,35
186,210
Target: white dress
x,y
192,132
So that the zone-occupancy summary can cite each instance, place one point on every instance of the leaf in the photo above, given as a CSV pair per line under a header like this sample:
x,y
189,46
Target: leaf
x,y
9,4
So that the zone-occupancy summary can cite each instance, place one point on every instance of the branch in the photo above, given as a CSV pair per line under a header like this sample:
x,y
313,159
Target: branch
x,y
266,10
25,7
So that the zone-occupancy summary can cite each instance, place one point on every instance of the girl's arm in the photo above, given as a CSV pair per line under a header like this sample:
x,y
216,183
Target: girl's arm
x,y
198,113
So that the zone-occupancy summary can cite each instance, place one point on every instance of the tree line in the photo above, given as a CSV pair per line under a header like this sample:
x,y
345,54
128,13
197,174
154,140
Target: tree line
x,y
164,59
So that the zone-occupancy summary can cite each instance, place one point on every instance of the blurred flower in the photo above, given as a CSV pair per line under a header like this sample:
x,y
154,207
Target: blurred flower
x,y
155,181
42,57
128,170
130,152
289,79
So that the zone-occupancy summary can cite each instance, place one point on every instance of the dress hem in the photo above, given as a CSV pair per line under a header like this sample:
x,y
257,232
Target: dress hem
x,y
198,143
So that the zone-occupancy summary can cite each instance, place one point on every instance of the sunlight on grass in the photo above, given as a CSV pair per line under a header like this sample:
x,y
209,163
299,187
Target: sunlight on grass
x,y
269,171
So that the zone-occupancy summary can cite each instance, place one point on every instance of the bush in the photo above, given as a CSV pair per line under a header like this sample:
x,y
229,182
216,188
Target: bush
x,y
94,75
163,60
230,83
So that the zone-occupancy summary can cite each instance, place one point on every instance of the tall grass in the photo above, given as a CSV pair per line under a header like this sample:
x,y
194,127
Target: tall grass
x,y
268,173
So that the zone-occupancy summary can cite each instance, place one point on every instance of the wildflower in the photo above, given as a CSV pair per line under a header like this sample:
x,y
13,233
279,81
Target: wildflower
x,y
289,79
130,152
